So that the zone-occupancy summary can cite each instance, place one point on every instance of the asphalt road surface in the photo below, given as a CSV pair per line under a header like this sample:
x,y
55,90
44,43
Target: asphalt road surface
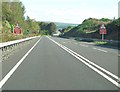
x,y
49,65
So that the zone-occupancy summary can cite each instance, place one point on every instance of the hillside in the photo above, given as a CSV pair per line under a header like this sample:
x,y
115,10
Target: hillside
x,y
90,29
61,25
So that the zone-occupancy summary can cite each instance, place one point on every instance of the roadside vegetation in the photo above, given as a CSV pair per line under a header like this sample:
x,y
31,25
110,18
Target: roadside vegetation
x,y
12,14
47,28
90,29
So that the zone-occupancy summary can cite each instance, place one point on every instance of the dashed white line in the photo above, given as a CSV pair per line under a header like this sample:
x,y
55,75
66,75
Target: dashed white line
x,y
83,45
100,50
4,80
87,43
64,42
76,43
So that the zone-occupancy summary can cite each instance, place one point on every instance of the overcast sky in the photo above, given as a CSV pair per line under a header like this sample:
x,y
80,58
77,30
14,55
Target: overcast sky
x,y
70,11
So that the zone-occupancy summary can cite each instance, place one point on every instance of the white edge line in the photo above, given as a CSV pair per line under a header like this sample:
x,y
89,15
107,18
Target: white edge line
x,y
100,50
4,80
95,69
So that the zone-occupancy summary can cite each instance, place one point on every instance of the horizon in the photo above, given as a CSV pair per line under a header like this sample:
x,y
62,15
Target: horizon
x,y
70,11
69,22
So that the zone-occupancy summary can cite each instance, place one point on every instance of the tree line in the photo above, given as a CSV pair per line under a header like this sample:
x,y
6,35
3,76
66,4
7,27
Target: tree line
x,y
13,13
47,28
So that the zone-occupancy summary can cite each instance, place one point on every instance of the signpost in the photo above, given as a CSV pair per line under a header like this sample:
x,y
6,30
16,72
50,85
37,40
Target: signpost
x,y
103,31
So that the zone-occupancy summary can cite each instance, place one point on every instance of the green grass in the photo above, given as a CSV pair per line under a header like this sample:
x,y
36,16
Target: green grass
x,y
107,43
100,42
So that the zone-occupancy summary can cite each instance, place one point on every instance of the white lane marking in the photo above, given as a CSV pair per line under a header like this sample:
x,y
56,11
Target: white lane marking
x,y
4,80
87,43
83,45
82,59
106,71
111,74
76,43
63,42
100,50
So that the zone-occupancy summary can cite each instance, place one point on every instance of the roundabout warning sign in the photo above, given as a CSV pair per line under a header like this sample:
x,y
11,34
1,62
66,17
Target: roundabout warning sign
x,y
103,31
17,30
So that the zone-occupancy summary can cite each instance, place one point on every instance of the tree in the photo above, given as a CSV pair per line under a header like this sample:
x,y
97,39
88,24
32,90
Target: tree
x,y
52,28
105,19
47,28
12,14
43,25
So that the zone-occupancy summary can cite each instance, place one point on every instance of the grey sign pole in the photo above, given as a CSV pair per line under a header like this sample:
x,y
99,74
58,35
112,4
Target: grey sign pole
x,y
102,28
119,9
102,36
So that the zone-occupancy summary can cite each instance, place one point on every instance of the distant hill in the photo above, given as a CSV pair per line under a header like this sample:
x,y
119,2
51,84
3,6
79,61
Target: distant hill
x,y
61,25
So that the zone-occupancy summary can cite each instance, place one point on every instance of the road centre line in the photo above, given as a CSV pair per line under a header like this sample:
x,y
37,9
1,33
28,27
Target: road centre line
x,y
4,80
113,75
91,65
100,50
